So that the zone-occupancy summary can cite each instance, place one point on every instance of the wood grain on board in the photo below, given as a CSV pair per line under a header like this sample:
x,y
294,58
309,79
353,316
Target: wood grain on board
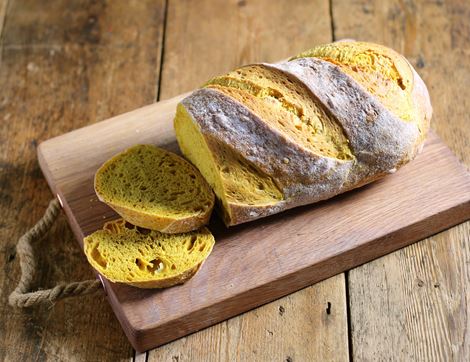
x,y
63,65
420,294
257,262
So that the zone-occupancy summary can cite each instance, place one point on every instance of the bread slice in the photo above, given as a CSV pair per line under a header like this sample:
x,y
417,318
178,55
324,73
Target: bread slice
x,y
155,189
301,131
145,258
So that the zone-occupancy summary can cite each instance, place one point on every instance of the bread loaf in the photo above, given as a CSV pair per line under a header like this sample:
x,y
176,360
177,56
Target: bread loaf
x,y
155,189
143,258
269,137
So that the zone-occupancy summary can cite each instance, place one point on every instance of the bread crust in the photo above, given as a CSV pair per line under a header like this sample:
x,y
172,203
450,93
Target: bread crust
x,y
163,224
380,141
168,282
420,96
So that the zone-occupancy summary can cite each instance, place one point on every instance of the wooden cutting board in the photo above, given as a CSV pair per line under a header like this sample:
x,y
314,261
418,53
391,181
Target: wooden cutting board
x,y
258,262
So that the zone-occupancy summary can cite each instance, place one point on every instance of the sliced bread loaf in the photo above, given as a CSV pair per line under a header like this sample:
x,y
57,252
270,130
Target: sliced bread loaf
x,y
155,189
329,120
145,258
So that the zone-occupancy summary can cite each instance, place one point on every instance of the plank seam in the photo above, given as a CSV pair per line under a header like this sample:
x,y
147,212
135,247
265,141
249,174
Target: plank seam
x,y
348,316
3,20
162,54
332,20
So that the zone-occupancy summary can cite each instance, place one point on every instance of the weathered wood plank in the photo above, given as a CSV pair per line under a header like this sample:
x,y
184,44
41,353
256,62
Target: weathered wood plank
x,y
414,304
64,65
206,38
301,326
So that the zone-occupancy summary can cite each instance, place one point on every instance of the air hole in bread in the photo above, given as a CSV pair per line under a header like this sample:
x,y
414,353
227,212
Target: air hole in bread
x,y
96,255
140,263
400,83
143,231
110,227
191,242
155,266
128,225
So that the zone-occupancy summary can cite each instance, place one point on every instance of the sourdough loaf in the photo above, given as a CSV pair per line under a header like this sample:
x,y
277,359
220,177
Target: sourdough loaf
x,y
145,258
269,137
155,189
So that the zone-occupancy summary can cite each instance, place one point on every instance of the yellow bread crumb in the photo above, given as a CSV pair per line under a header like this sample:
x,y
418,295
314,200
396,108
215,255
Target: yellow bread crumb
x,y
234,180
156,189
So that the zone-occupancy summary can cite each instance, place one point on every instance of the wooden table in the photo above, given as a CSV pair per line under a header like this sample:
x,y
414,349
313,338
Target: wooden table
x,y
65,64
